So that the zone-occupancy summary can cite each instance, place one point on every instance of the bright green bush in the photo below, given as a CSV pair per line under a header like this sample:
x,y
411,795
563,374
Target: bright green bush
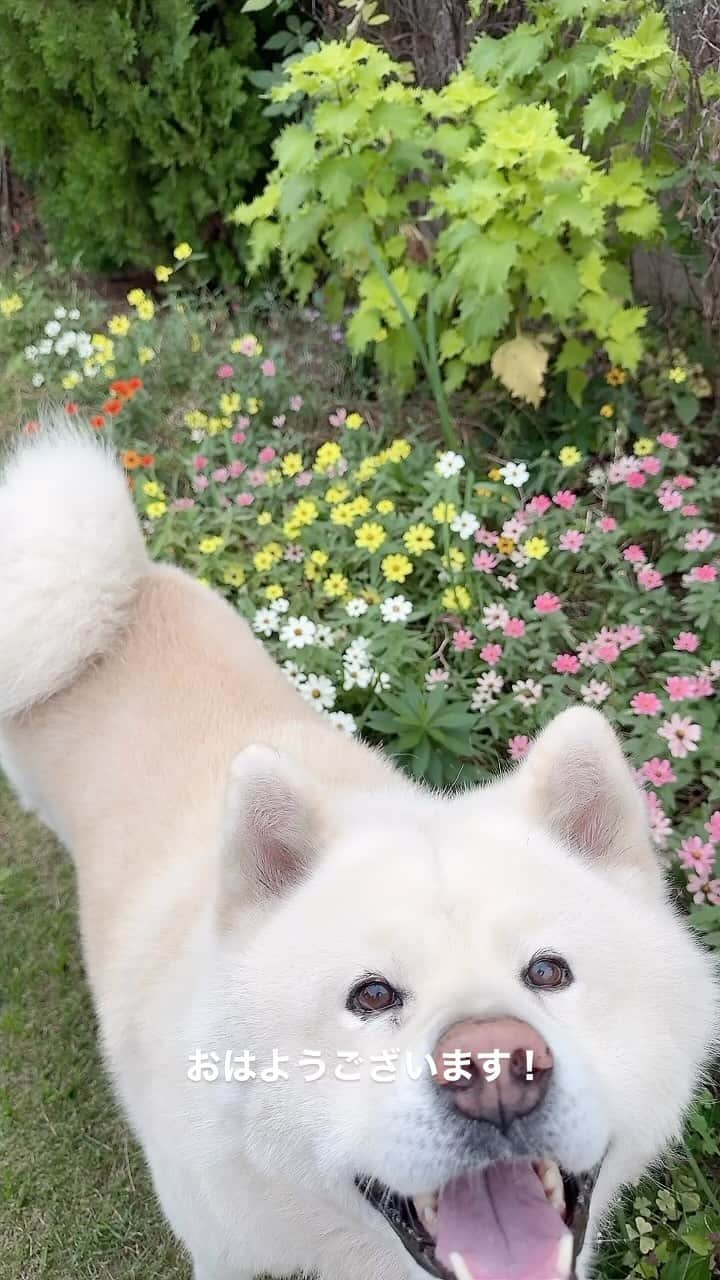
x,y
137,123
503,206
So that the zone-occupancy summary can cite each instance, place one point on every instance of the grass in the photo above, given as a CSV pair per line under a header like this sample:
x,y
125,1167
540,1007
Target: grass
x,y
75,1196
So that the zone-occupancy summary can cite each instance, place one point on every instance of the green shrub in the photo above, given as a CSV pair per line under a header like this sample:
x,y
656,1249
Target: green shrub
x,y
503,206
137,122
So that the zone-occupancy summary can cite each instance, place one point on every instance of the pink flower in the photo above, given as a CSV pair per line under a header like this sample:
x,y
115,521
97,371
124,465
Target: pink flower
x,y
628,634
680,687
651,466
635,480
518,746
267,454
686,642
514,627
236,468
248,345
182,504
538,506
244,499
608,524
463,640
703,573
684,482
280,420
238,437
484,562
713,827
668,439
649,578
634,554
572,540
200,462
303,479
690,509
487,537
491,653
607,651
200,483
712,890
564,498
696,855
546,603
703,686
267,368
646,704
256,477
225,371
566,664
660,826
681,735
243,422
296,403
669,499
221,474
337,418
658,772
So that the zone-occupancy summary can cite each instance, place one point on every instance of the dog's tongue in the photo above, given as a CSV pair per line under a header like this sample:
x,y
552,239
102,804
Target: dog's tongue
x,y
501,1223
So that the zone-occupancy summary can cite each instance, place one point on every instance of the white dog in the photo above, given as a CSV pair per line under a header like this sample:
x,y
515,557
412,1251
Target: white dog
x,y
488,1015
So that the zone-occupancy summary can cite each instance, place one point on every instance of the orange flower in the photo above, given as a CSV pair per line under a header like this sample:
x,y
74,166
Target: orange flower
x,y
134,384
97,421
120,388
131,460
147,459
71,407
112,407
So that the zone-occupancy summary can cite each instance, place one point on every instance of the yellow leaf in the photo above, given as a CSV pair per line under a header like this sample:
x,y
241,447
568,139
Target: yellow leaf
x,y
520,365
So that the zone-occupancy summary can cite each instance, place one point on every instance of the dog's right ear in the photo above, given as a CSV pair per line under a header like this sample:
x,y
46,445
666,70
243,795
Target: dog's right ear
x,y
269,835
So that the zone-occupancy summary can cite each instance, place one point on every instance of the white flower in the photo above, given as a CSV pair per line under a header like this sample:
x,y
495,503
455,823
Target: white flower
x,y
357,651
395,609
59,313
344,721
292,669
73,314
527,692
383,680
281,605
596,477
90,370
265,622
197,434
465,525
515,473
509,582
37,379
298,632
356,607
45,346
31,353
52,328
449,464
482,699
357,675
320,690
490,682
324,636
495,616
595,692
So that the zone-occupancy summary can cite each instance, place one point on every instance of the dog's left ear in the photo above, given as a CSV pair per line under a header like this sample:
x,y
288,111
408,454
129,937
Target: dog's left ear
x,y
577,783
270,828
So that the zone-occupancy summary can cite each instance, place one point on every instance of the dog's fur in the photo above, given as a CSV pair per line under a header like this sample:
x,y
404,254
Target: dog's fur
x,y
241,864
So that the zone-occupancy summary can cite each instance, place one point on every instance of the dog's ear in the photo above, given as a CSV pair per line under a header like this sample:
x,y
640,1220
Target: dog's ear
x,y
270,835
576,782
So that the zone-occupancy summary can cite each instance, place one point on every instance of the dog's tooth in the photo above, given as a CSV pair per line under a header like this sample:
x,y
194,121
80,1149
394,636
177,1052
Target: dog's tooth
x,y
553,1186
460,1266
565,1257
429,1217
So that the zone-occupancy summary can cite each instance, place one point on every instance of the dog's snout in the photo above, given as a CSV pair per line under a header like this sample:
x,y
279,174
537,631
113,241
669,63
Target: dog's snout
x,y
497,1070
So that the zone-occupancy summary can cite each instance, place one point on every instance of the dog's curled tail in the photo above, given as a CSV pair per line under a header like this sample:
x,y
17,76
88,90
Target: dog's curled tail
x,y
71,559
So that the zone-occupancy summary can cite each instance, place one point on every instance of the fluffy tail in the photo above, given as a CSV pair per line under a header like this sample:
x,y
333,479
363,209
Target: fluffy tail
x,y
71,559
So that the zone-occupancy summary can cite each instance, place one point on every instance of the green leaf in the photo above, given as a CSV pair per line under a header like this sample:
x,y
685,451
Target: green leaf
x,y
295,149
254,6
573,355
600,111
641,222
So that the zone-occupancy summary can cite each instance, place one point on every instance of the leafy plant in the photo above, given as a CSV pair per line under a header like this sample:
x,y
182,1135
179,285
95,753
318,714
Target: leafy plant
x,y
427,732
515,216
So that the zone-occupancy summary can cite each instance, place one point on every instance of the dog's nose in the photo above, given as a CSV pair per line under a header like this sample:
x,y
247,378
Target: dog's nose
x,y
497,1070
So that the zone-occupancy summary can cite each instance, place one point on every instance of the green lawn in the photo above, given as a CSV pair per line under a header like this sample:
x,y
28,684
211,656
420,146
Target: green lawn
x,y
75,1197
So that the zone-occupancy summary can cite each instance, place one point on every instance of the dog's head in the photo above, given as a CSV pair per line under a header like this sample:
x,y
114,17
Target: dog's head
x,y
488,1013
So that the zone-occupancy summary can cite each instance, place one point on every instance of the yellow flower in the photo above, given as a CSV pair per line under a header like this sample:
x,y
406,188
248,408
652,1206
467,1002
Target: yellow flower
x,y
367,469
196,419
291,464
248,345
253,405
361,506
119,326
398,451
182,252
264,518
234,576
292,529
370,536
385,506
505,545
677,374
10,305
135,297
606,411
209,546
354,421
344,513
495,474
152,489
457,598
146,309
454,560
482,491
156,509
306,511
536,548
214,426
229,402
319,558
145,355
328,455
263,560
615,377
643,447
163,274
312,573
71,380
336,493
274,591
371,595
570,455
444,512
336,584
418,539
396,568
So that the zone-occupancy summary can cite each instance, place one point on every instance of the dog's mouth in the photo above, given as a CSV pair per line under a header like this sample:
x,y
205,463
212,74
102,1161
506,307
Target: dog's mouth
x,y
521,1220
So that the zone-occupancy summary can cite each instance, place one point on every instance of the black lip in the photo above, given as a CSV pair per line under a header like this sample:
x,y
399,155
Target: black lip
x,y
399,1213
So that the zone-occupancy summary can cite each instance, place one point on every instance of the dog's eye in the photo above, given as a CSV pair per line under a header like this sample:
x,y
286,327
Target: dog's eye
x,y
373,996
548,973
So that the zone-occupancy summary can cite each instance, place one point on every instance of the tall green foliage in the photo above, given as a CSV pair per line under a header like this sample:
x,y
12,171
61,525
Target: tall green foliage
x,y
136,121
